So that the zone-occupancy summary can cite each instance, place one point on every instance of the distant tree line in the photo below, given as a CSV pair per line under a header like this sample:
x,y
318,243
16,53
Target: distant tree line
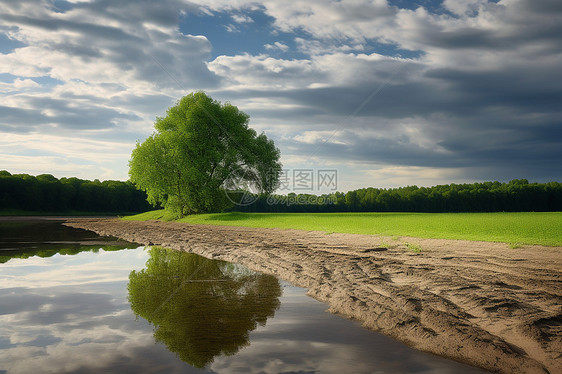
x,y
516,196
45,193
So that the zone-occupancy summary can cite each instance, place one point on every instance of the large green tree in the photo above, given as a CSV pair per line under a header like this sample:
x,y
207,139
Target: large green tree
x,y
196,152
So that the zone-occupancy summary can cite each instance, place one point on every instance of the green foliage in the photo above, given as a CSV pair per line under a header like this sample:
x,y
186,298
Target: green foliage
x,y
516,196
525,227
45,193
153,215
196,150
201,308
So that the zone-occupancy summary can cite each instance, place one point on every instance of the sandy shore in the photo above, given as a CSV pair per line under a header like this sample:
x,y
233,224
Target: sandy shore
x,y
481,303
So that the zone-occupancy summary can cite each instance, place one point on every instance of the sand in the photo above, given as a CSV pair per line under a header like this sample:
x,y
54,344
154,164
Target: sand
x,y
481,303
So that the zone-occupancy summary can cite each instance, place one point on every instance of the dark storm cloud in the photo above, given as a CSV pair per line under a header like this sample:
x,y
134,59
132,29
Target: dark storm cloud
x,y
459,143
392,101
516,158
456,93
543,6
522,89
473,38
367,148
506,27
83,50
508,121
502,113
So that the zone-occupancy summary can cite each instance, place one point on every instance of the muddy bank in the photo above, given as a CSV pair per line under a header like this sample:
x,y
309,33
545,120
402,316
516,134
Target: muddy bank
x,y
481,303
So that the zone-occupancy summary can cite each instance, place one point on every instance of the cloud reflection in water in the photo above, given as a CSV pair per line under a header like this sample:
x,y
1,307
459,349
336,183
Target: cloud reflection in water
x,y
71,314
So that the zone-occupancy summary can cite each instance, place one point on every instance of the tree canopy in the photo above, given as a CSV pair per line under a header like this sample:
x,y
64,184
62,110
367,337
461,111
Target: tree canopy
x,y
201,308
45,193
196,153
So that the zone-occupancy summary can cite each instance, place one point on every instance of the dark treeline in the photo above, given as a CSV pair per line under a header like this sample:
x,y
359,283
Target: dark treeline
x,y
516,196
45,193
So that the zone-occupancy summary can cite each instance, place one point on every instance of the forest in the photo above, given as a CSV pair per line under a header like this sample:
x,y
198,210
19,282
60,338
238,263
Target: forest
x,y
515,196
45,193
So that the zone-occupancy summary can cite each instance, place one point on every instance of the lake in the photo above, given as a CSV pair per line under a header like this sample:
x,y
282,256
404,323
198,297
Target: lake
x,y
74,302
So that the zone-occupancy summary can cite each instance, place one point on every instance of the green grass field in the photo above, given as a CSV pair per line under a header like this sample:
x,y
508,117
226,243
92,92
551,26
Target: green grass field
x,y
514,228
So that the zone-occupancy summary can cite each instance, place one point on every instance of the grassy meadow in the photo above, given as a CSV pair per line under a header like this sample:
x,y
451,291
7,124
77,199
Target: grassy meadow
x,y
543,228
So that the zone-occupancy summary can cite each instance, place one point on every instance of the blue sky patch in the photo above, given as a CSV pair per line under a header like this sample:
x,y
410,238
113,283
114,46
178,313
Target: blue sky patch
x,y
46,81
7,45
61,6
432,6
253,32
386,49
7,78
248,31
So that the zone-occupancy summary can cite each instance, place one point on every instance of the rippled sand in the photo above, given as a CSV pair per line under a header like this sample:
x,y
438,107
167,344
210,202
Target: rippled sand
x,y
481,303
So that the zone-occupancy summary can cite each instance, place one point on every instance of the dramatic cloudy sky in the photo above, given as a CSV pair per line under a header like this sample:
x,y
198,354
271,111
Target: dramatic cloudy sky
x,y
388,92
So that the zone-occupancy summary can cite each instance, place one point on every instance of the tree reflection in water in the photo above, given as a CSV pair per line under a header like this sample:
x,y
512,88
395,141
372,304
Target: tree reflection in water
x,y
201,308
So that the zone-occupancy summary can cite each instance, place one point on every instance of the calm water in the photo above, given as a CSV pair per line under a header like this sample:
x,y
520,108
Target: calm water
x,y
72,302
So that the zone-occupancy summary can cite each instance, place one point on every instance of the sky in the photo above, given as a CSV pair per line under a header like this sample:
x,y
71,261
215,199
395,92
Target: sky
x,y
387,93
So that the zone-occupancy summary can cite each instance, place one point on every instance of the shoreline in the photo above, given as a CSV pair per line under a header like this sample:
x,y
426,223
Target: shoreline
x,y
48,218
480,303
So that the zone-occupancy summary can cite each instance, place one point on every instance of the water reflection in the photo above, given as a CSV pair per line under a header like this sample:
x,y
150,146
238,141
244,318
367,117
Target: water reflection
x,y
201,308
71,314
46,238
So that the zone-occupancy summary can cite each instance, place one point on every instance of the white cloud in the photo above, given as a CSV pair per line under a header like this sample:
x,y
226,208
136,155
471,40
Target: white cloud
x,y
19,85
399,176
277,45
464,7
254,72
64,156
120,64
240,18
61,270
315,137
231,28
25,83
